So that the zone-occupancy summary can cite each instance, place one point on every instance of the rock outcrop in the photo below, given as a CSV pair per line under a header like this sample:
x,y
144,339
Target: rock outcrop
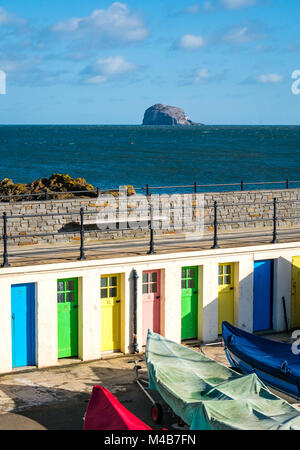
x,y
58,186
166,115
57,183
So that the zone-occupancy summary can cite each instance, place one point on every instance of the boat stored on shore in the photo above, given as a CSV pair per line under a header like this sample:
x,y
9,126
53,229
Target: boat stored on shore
x,y
273,362
209,396
105,412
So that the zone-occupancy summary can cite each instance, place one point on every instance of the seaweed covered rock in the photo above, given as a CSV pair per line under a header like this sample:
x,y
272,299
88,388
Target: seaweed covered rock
x,y
58,186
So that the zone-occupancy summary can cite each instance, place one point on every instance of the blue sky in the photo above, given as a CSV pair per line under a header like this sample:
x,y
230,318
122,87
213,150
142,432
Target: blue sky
x,y
105,62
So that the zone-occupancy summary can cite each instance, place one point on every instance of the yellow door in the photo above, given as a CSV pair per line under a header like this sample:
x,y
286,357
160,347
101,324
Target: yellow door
x,y
295,300
225,295
110,313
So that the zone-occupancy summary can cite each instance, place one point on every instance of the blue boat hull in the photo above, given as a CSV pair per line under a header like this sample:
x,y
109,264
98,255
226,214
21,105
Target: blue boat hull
x,y
273,362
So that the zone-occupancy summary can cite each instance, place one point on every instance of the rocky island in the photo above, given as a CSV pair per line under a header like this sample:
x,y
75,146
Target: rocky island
x,y
167,115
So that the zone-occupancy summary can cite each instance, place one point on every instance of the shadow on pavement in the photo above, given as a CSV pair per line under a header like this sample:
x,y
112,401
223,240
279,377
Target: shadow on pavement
x,y
38,407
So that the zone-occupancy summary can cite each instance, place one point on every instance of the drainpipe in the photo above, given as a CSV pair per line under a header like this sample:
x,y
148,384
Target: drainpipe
x,y
135,298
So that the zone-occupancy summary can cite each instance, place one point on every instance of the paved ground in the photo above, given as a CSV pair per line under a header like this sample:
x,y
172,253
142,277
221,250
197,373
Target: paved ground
x,y
56,398
53,253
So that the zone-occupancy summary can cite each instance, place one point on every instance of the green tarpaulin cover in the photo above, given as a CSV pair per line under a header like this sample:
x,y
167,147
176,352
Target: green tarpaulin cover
x,y
208,396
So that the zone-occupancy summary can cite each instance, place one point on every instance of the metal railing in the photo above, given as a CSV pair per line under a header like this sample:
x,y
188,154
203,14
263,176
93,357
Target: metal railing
x,y
216,223
195,187
46,195
239,186
275,219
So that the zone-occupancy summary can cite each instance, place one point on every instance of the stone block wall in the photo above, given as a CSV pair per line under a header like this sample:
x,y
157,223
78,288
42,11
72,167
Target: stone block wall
x,y
248,210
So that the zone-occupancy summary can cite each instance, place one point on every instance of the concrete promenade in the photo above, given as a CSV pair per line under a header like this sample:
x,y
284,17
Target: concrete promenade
x,y
96,249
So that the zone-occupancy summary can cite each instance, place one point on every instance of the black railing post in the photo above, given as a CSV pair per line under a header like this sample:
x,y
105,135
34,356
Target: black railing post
x,y
5,239
151,251
147,189
242,185
215,226
195,187
98,192
287,183
275,240
82,255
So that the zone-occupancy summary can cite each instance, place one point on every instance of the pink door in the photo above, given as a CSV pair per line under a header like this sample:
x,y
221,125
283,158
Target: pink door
x,y
151,302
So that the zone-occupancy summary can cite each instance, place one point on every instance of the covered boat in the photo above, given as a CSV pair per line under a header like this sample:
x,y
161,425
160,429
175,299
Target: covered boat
x,y
209,396
274,362
105,412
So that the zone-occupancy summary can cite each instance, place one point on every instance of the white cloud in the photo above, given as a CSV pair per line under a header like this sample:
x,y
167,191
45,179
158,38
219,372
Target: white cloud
x,y
237,4
241,34
193,9
98,79
68,26
208,6
237,35
113,65
7,18
213,5
191,42
201,76
114,24
270,78
30,72
106,68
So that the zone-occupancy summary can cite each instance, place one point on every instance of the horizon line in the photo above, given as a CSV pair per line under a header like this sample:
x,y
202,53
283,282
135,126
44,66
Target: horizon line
x,y
148,126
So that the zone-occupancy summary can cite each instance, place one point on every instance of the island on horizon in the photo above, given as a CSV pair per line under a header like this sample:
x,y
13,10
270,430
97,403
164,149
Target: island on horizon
x,y
160,114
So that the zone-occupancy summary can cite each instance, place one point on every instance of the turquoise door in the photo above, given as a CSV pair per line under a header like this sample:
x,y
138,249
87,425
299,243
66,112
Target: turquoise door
x,y
23,325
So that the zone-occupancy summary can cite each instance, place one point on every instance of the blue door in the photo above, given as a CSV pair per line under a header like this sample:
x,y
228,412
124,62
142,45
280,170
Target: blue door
x,y
23,325
262,298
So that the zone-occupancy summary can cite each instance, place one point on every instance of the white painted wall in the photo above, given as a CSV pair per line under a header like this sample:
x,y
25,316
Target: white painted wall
x,y
126,316
244,286
89,316
5,326
282,288
139,308
210,301
46,320
173,301
89,273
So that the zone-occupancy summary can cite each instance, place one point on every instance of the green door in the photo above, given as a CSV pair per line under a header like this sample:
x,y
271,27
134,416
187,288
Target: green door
x,y
67,309
189,303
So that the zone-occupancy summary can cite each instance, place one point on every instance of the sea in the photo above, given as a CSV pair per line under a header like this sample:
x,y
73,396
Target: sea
x,y
162,157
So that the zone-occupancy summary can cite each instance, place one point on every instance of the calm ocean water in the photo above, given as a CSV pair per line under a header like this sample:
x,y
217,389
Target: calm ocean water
x,y
110,156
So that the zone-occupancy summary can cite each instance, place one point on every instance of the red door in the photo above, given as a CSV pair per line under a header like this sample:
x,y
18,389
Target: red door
x,y
151,302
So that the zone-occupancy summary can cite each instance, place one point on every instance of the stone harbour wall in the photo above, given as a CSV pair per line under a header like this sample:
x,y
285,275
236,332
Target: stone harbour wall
x,y
248,210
